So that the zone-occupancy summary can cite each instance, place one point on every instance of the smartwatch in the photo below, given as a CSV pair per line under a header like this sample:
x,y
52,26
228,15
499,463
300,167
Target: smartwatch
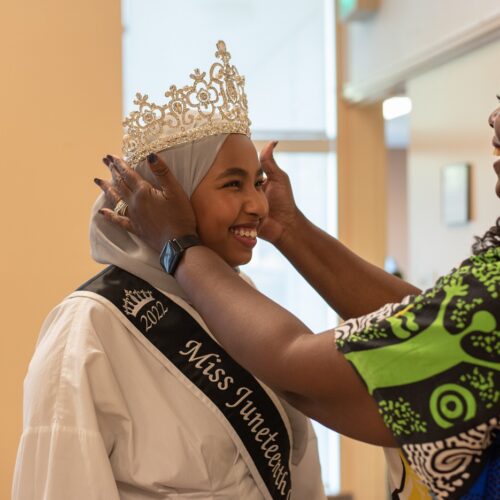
x,y
174,249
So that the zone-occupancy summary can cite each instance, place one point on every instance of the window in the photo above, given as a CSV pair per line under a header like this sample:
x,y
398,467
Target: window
x,y
285,49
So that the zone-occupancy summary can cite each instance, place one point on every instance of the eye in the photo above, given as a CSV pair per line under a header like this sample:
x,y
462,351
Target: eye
x,y
234,183
260,182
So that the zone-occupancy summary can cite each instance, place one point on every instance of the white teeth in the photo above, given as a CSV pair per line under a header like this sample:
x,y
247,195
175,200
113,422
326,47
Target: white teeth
x,y
496,152
247,233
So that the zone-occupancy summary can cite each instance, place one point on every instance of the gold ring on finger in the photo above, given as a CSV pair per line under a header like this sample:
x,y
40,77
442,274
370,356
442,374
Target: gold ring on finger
x,y
120,208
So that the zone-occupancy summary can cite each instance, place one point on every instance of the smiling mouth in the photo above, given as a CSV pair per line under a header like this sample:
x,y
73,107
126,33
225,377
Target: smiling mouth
x,y
246,236
244,232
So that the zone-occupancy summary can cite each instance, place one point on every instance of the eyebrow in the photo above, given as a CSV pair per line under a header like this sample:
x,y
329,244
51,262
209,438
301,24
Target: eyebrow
x,y
238,171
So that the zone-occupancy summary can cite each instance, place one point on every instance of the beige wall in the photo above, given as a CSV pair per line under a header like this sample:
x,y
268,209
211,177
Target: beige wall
x,y
61,111
449,124
397,223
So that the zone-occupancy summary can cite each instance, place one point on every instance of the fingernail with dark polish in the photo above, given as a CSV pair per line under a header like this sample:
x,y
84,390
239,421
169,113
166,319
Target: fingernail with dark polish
x,y
106,161
275,143
101,211
98,181
152,158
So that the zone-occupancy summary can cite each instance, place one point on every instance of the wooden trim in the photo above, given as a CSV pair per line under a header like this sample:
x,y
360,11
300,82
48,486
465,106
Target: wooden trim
x,y
361,165
300,146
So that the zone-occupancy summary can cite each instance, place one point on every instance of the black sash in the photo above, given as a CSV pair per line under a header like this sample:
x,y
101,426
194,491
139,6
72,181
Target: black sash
x,y
235,392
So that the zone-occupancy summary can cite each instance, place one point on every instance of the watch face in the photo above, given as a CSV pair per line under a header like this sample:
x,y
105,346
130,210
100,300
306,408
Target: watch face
x,y
172,256
173,251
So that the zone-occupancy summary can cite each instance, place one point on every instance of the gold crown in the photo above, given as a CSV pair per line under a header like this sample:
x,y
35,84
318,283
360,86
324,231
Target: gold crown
x,y
210,106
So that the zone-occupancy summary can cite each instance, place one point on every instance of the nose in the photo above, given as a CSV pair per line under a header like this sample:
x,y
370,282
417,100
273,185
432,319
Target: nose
x,y
256,203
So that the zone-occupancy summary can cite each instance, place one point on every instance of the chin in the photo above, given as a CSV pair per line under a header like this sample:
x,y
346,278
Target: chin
x,y
235,261
246,261
238,262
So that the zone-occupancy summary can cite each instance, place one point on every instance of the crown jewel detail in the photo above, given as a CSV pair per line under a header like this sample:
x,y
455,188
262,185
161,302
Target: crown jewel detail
x,y
213,104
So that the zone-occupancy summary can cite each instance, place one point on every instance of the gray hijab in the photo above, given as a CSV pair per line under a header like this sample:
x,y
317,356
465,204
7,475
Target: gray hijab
x,y
111,245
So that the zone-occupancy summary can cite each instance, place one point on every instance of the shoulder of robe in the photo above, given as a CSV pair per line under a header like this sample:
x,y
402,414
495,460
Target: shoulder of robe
x,y
76,325
82,309
70,364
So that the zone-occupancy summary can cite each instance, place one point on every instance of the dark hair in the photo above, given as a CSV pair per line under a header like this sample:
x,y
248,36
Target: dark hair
x,y
490,239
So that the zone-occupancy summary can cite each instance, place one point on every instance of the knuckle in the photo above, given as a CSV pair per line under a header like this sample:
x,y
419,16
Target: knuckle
x,y
161,171
142,192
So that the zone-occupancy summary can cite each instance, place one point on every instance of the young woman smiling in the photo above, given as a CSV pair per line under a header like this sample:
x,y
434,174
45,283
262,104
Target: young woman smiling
x,y
128,396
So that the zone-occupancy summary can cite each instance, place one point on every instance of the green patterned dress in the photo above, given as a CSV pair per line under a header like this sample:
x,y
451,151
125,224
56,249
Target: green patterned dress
x,y
432,363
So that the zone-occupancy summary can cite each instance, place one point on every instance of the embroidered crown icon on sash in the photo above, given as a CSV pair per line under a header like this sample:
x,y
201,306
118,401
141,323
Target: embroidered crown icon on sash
x,y
215,103
135,300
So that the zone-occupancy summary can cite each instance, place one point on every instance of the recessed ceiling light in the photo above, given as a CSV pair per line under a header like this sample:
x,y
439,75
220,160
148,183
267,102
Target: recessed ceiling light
x,y
395,107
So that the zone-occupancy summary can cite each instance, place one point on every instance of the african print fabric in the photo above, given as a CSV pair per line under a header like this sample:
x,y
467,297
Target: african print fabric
x,y
432,363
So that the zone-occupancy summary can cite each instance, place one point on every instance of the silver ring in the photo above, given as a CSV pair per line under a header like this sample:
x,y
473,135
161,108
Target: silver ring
x,y
120,208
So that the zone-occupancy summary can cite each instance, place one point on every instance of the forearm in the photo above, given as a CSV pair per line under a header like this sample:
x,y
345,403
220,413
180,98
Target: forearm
x,y
252,328
349,284
279,349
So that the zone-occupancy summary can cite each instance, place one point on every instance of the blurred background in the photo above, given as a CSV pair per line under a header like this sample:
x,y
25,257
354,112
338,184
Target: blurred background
x,y
380,107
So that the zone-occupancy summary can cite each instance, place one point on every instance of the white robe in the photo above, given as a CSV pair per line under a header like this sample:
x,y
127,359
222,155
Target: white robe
x,y
105,419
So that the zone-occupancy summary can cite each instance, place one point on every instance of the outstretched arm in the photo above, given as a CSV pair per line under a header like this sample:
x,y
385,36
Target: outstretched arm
x,y
262,336
349,284
280,350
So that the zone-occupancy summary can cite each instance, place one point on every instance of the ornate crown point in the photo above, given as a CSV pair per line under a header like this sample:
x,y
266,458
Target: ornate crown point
x,y
215,103
135,300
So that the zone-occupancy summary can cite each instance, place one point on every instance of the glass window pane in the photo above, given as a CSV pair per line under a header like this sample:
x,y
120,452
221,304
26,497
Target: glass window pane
x,y
313,177
278,46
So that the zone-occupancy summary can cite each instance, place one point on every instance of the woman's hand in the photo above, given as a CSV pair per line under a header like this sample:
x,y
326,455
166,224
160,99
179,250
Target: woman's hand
x,y
283,212
154,214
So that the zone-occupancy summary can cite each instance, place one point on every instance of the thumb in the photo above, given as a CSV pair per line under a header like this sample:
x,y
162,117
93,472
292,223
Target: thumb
x,y
267,161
